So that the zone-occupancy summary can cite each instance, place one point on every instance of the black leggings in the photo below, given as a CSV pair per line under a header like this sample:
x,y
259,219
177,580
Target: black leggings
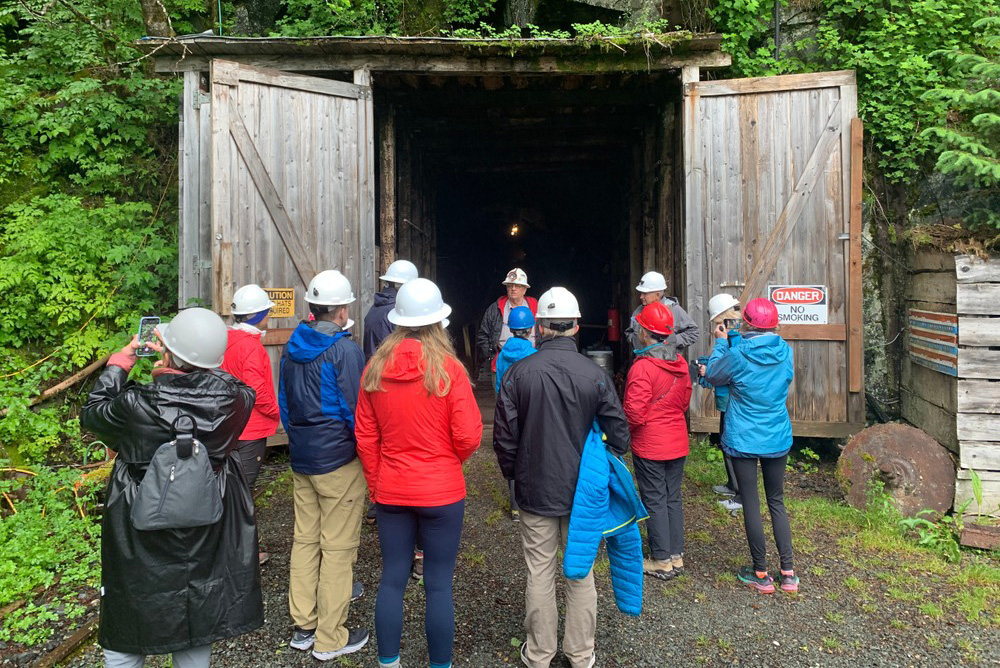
x,y
773,470
439,529
716,440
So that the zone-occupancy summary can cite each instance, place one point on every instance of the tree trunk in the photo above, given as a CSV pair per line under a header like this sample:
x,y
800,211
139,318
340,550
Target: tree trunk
x,y
156,19
520,12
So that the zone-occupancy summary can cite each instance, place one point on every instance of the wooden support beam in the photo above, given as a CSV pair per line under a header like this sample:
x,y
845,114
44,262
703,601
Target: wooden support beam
x,y
387,183
453,65
855,298
813,332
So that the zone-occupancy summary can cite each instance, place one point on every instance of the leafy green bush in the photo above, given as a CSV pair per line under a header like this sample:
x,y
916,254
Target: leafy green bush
x,y
87,244
47,538
893,48
967,136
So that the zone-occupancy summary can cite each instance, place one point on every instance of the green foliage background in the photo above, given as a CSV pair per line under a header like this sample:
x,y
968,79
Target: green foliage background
x,y
927,73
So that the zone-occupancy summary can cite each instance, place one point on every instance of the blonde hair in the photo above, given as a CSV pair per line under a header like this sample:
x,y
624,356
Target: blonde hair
x,y
730,314
436,349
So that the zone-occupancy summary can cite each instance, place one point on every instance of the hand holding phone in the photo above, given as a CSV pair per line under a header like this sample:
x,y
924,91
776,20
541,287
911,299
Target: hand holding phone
x,y
147,330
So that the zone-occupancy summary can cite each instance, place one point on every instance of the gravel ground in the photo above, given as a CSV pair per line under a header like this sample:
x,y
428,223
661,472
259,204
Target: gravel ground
x,y
703,619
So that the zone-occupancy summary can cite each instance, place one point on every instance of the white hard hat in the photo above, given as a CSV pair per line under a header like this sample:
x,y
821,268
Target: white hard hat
x,y
196,336
652,281
329,288
516,277
400,271
250,299
721,303
558,304
418,303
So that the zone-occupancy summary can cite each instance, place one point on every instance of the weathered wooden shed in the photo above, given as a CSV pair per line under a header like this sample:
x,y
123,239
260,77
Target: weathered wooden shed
x,y
585,162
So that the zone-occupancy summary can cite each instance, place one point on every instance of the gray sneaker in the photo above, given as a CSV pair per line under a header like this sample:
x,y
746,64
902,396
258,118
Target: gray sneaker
x,y
356,639
723,490
731,505
357,591
302,639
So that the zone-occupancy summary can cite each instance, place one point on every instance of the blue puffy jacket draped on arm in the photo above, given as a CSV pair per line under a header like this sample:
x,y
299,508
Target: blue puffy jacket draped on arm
x,y
606,505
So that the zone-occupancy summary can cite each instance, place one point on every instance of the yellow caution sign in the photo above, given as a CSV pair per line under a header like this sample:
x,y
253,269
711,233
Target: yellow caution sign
x,y
284,302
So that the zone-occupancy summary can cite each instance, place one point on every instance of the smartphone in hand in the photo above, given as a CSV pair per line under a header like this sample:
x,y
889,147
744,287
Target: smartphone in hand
x,y
147,326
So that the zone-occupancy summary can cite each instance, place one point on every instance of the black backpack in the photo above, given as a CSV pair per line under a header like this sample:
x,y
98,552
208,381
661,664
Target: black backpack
x,y
180,490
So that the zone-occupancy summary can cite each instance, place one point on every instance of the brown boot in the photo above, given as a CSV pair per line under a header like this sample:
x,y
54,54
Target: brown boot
x,y
658,569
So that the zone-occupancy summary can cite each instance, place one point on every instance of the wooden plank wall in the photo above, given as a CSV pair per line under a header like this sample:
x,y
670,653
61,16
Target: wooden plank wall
x,y
195,192
977,298
273,222
767,165
928,397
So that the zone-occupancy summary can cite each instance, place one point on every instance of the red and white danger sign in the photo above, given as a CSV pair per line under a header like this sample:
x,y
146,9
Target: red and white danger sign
x,y
799,304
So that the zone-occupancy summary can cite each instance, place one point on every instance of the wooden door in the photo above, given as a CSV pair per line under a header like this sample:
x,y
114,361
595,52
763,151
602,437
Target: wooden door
x,y
291,185
772,197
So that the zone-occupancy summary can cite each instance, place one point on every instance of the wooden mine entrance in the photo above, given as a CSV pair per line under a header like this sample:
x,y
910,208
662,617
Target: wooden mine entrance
x,y
586,169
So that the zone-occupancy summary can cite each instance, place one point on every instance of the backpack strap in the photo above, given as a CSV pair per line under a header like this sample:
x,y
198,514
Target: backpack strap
x,y
184,440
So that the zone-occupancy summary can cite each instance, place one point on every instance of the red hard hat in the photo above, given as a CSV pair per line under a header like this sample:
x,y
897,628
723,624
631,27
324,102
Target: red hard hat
x,y
761,313
657,318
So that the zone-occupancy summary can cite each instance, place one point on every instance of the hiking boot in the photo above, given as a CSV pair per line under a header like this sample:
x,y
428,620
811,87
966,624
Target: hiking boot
x,y
263,558
302,639
678,564
659,569
370,515
356,639
748,576
357,591
417,570
515,515
731,505
789,582
723,490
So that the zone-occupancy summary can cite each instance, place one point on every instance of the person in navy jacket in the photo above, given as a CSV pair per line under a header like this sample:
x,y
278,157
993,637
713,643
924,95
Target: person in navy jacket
x,y
318,387
758,368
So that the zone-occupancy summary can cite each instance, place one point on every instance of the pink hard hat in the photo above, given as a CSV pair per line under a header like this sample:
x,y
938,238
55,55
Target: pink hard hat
x,y
761,313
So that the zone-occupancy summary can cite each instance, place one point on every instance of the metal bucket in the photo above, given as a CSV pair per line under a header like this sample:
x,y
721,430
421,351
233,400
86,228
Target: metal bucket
x,y
604,359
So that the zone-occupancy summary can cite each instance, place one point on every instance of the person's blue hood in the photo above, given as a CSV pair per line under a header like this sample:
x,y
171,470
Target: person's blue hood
x,y
306,343
765,349
515,349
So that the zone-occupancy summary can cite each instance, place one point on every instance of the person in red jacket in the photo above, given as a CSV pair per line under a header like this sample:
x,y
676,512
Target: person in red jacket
x,y
657,392
416,423
247,361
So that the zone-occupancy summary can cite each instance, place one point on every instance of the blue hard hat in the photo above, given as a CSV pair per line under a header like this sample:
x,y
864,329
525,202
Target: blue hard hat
x,y
520,318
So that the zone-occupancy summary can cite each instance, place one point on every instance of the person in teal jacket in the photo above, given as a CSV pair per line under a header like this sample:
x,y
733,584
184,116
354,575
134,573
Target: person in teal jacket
x,y
758,370
521,324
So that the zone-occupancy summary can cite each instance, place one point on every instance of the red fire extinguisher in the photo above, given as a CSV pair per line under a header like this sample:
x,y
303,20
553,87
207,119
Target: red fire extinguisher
x,y
614,329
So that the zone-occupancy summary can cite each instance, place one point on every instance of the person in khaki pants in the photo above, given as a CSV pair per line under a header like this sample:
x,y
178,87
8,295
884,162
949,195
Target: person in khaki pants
x,y
545,408
319,381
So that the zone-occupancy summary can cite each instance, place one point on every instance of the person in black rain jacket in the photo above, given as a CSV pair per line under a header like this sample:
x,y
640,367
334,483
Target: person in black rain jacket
x,y
175,590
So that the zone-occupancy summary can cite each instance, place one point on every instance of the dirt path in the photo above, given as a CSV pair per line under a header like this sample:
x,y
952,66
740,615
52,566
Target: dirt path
x,y
868,598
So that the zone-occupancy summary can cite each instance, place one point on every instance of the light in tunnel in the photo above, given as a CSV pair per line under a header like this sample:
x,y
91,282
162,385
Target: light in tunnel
x,y
514,229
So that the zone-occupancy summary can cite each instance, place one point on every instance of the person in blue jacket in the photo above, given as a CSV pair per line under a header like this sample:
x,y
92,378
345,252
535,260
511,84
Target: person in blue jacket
x,y
319,380
521,323
722,308
758,370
